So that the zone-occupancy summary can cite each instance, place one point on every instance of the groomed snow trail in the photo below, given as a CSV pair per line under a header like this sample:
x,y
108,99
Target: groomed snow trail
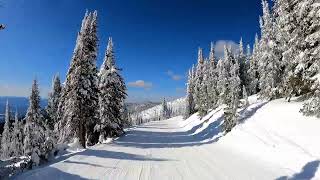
x,y
272,140
157,150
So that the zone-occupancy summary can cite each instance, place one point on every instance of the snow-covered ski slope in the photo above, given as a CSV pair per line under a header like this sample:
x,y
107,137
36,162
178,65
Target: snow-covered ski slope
x,y
272,141
177,106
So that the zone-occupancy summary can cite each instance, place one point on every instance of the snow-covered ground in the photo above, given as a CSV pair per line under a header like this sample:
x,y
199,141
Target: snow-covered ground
x,y
272,141
177,106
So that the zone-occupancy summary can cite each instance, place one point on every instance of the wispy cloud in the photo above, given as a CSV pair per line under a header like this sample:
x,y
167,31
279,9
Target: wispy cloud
x,y
140,84
219,47
174,76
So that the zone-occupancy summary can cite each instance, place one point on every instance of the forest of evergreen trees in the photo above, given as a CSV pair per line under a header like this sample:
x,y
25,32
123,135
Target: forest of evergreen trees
x,y
284,63
87,108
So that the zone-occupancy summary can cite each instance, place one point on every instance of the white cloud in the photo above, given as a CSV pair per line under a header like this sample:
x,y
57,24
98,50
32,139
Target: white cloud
x,y
173,76
140,84
219,47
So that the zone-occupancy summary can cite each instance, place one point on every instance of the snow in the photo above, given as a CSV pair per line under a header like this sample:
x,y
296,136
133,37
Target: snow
x,y
177,106
272,141
106,141
75,146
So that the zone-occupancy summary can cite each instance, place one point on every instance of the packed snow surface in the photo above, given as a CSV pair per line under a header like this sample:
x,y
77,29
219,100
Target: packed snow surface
x,y
272,141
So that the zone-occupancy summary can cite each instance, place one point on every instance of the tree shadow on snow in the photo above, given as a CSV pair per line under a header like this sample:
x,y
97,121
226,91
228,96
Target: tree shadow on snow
x,y
249,112
307,172
45,169
118,155
211,133
48,173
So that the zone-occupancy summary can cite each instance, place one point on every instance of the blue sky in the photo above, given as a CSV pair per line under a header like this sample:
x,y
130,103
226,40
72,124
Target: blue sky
x,y
156,41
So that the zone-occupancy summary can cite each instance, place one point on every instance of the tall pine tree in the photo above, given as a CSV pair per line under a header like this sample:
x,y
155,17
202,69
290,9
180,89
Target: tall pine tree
x,y
212,80
53,102
111,97
190,106
269,64
6,134
17,139
253,72
198,78
34,132
79,101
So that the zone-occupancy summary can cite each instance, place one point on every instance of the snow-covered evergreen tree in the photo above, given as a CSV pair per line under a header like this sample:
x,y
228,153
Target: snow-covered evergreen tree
x,y
245,96
232,99
253,72
125,116
223,68
242,60
308,51
198,78
283,27
53,102
203,94
269,63
79,100
190,106
34,132
212,80
165,110
6,135
111,97
17,139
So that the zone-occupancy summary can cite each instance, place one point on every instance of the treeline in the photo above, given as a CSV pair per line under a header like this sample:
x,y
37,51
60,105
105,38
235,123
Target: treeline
x,y
87,108
284,63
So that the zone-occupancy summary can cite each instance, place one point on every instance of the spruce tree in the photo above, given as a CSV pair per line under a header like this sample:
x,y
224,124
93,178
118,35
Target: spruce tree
x,y
198,78
284,26
112,94
17,139
242,60
34,132
6,134
165,111
212,80
232,99
309,48
269,63
203,95
253,72
79,99
53,102
190,107
224,68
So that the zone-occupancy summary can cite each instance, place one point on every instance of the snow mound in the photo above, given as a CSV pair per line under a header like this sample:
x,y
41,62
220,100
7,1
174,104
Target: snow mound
x,y
273,132
75,146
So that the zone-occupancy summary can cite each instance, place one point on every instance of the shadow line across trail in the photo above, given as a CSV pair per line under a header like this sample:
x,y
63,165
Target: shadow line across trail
x,y
307,172
162,135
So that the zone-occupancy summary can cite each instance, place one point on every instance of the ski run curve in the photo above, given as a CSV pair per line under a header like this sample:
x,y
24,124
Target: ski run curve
x,y
279,145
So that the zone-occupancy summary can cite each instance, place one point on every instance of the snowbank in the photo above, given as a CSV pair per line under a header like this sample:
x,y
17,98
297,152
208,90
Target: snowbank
x,y
273,132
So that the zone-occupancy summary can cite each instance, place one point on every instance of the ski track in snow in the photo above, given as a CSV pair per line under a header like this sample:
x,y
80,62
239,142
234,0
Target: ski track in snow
x,y
190,162
260,147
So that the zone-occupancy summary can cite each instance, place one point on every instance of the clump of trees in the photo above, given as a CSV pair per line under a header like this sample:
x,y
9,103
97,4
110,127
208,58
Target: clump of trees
x,y
283,63
88,107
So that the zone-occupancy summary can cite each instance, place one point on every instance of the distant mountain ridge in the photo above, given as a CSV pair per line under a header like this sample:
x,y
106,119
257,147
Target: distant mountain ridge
x,y
141,106
17,103
21,104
